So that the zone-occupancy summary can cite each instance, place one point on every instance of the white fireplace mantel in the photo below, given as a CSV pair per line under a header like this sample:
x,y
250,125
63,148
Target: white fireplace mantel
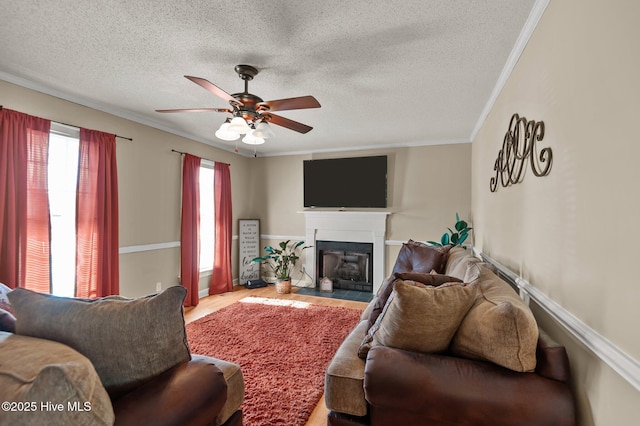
x,y
349,226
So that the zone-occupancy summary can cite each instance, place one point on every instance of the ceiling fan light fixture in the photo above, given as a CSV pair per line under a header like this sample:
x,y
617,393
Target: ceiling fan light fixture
x,y
238,125
251,139
263,130
224,133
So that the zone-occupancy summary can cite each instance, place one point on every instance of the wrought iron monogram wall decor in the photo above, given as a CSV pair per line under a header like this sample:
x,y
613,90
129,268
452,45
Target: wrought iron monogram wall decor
x,y
518,146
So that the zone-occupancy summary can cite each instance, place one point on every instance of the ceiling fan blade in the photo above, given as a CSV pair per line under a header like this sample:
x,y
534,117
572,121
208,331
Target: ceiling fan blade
x,y
289,124
213,89
195,110
301,102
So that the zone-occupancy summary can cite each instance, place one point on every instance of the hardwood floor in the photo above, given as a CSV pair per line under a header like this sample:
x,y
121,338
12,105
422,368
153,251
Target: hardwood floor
x,y
213,303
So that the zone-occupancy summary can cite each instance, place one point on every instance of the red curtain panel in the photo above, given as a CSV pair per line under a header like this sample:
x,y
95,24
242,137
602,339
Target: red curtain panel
x,y
24,204
222,278
97,267
190,229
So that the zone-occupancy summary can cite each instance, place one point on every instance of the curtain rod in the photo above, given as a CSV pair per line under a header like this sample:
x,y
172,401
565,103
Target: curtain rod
x,y
213,161
78,127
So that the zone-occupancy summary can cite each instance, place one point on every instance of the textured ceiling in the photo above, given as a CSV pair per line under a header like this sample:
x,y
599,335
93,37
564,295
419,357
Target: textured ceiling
x,y
387,73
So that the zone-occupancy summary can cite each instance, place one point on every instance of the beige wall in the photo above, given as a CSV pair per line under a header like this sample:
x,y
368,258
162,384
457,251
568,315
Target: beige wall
x,y
426,187
571,234
149,177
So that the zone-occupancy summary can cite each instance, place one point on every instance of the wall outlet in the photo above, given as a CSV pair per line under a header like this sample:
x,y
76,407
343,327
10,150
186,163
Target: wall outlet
x,y
158,286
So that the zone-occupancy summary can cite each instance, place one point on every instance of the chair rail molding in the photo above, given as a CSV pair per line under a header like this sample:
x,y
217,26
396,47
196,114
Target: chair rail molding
x,y
153,246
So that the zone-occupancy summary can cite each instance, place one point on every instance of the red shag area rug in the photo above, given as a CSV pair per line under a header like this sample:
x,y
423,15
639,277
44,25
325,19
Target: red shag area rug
x,y
283,348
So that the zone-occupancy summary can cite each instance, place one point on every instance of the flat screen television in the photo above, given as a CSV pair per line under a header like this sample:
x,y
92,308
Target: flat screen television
x,y
346,182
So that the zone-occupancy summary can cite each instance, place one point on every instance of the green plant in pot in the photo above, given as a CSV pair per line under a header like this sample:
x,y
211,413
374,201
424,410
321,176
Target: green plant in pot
x,y
456,237
282,260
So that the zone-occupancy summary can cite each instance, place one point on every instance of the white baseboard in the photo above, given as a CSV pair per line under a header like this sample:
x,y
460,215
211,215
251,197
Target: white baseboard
x,y
204,292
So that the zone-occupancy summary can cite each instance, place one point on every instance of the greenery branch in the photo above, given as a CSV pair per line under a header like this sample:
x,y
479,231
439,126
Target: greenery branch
x,y
456,237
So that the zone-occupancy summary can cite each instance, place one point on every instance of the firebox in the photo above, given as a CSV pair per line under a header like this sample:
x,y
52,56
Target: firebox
x,y
348,264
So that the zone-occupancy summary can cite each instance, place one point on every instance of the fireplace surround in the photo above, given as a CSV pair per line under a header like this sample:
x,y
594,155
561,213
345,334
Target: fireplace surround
x,y
347,226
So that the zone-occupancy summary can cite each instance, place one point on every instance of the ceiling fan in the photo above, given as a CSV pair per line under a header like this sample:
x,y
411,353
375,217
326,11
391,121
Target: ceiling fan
x,y
250,115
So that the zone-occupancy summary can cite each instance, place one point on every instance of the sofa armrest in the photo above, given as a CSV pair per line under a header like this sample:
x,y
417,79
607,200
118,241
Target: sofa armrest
x,y
552,359
190,393
407,388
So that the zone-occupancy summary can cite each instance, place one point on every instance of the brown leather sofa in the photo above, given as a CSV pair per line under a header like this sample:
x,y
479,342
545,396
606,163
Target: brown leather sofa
x,y
402,387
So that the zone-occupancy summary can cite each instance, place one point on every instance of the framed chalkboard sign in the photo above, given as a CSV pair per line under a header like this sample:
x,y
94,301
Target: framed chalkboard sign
x,y
249,245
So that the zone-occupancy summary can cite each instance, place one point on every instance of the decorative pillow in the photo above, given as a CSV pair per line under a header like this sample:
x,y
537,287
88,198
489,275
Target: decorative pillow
x,y
387,288
499,327
460,268
419,257
456,255
7,321
4,299
422,319
37,371
128,340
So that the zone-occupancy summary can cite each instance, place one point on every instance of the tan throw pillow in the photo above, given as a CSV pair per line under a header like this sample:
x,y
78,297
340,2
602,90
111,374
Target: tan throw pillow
x,y
387,288
460,267
128,340
422,319
499,327
54,384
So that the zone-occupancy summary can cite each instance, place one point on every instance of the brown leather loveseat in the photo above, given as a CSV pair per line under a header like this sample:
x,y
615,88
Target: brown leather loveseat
x,y
498,368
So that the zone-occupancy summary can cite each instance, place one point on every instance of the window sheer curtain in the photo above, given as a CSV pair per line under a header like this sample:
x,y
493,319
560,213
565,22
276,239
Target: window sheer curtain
x,y
222,278
190,229
24,204
97,267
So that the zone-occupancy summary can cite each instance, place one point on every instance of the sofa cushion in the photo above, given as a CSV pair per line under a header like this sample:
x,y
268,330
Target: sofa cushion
x,y
422,319
418,257
127,340
34,372
7,321
343,389
499,327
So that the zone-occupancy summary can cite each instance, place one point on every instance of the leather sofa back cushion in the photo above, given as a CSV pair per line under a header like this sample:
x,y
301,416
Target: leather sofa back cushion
x,y
423,319
128,341
499,327
417,257
37,371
